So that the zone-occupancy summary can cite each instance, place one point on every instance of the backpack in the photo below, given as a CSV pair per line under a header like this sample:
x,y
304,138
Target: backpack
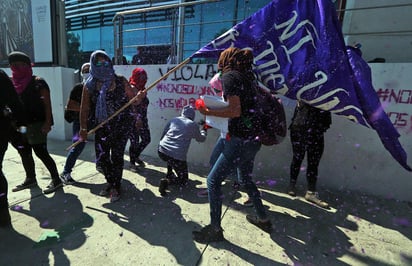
x,y
75,95
269,119
306,117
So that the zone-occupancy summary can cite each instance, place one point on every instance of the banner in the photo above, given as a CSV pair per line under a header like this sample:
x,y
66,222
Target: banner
x,y
300,53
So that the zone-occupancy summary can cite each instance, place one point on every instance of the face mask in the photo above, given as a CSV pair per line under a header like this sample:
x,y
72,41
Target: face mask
x,y
85,76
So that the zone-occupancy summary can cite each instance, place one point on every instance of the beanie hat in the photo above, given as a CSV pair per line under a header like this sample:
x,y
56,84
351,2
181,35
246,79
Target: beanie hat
x,y
17,56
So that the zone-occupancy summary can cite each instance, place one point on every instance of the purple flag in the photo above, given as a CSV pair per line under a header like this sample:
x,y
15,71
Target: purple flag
x,y
372,108
300,53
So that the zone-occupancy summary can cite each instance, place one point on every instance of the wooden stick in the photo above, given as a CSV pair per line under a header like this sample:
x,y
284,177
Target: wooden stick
x,y
131,101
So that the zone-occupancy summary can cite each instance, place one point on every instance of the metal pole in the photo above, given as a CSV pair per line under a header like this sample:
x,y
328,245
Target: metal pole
x,y
120,52
181,32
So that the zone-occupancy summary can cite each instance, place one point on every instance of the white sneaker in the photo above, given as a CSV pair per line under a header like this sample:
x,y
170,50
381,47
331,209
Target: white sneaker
x,y
314,198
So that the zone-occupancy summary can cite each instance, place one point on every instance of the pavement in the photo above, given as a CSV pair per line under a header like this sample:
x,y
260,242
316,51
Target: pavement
x,y
76,226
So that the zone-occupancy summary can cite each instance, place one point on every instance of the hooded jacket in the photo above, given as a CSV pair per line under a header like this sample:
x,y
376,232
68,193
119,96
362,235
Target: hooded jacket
x,y
178,133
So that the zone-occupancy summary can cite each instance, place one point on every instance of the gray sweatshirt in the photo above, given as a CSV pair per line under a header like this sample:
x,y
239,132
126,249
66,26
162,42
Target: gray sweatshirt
x,y
179,132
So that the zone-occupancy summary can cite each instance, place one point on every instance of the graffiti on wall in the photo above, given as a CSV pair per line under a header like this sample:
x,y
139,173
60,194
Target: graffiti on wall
x,y
184,85
397,100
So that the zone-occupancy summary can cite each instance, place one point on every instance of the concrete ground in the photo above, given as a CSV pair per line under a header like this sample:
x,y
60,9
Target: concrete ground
x,y
76,226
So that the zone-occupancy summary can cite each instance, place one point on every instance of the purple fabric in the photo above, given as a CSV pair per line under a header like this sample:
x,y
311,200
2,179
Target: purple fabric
x,y
300,53
372,108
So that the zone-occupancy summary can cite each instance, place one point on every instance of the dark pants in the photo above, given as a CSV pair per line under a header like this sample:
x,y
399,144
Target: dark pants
x,y
180,167
25,151
110,143
5,218
139,139
3,181
311,143
5,134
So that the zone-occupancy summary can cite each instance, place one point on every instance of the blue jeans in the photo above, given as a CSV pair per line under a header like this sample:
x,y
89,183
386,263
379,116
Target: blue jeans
x,y
74,152
217,150
240,154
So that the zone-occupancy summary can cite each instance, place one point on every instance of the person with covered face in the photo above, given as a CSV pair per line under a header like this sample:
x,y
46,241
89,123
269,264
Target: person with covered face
x,y
242,143
174,145
11,118
34,93
71,115
140,134
104,94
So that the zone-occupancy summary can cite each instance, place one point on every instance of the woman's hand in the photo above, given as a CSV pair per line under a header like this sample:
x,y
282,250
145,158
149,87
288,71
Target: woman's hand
x,y
203,110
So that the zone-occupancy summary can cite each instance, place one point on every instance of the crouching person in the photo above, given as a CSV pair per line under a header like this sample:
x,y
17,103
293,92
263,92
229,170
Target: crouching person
x,y
174,145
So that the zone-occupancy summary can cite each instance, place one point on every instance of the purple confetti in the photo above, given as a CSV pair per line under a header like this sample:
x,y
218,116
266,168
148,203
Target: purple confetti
x,y
17,208
44,224
401,221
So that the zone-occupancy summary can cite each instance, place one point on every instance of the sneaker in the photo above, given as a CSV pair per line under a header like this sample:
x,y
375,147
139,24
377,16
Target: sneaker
x,y
314,198
28,183
140,162
106,190
67,179
248,202
164,183
292,190
53,186
264,225
208,234
133,167
203,193
114,194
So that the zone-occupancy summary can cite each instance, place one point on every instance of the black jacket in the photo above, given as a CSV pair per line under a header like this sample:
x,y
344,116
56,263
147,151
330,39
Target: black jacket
x,y
11,109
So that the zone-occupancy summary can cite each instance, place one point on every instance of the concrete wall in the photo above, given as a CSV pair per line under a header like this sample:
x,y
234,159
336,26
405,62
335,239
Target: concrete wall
x,y
383,32
354,157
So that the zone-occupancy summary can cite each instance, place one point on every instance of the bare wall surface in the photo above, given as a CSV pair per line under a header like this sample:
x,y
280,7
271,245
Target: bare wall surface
x,y
383,27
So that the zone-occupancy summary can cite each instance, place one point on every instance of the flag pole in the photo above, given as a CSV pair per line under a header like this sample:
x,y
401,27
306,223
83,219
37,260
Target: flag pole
x,y
131,101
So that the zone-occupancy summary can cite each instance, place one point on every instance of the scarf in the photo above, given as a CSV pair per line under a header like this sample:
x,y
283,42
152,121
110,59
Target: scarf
x,y
21,77
104,74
